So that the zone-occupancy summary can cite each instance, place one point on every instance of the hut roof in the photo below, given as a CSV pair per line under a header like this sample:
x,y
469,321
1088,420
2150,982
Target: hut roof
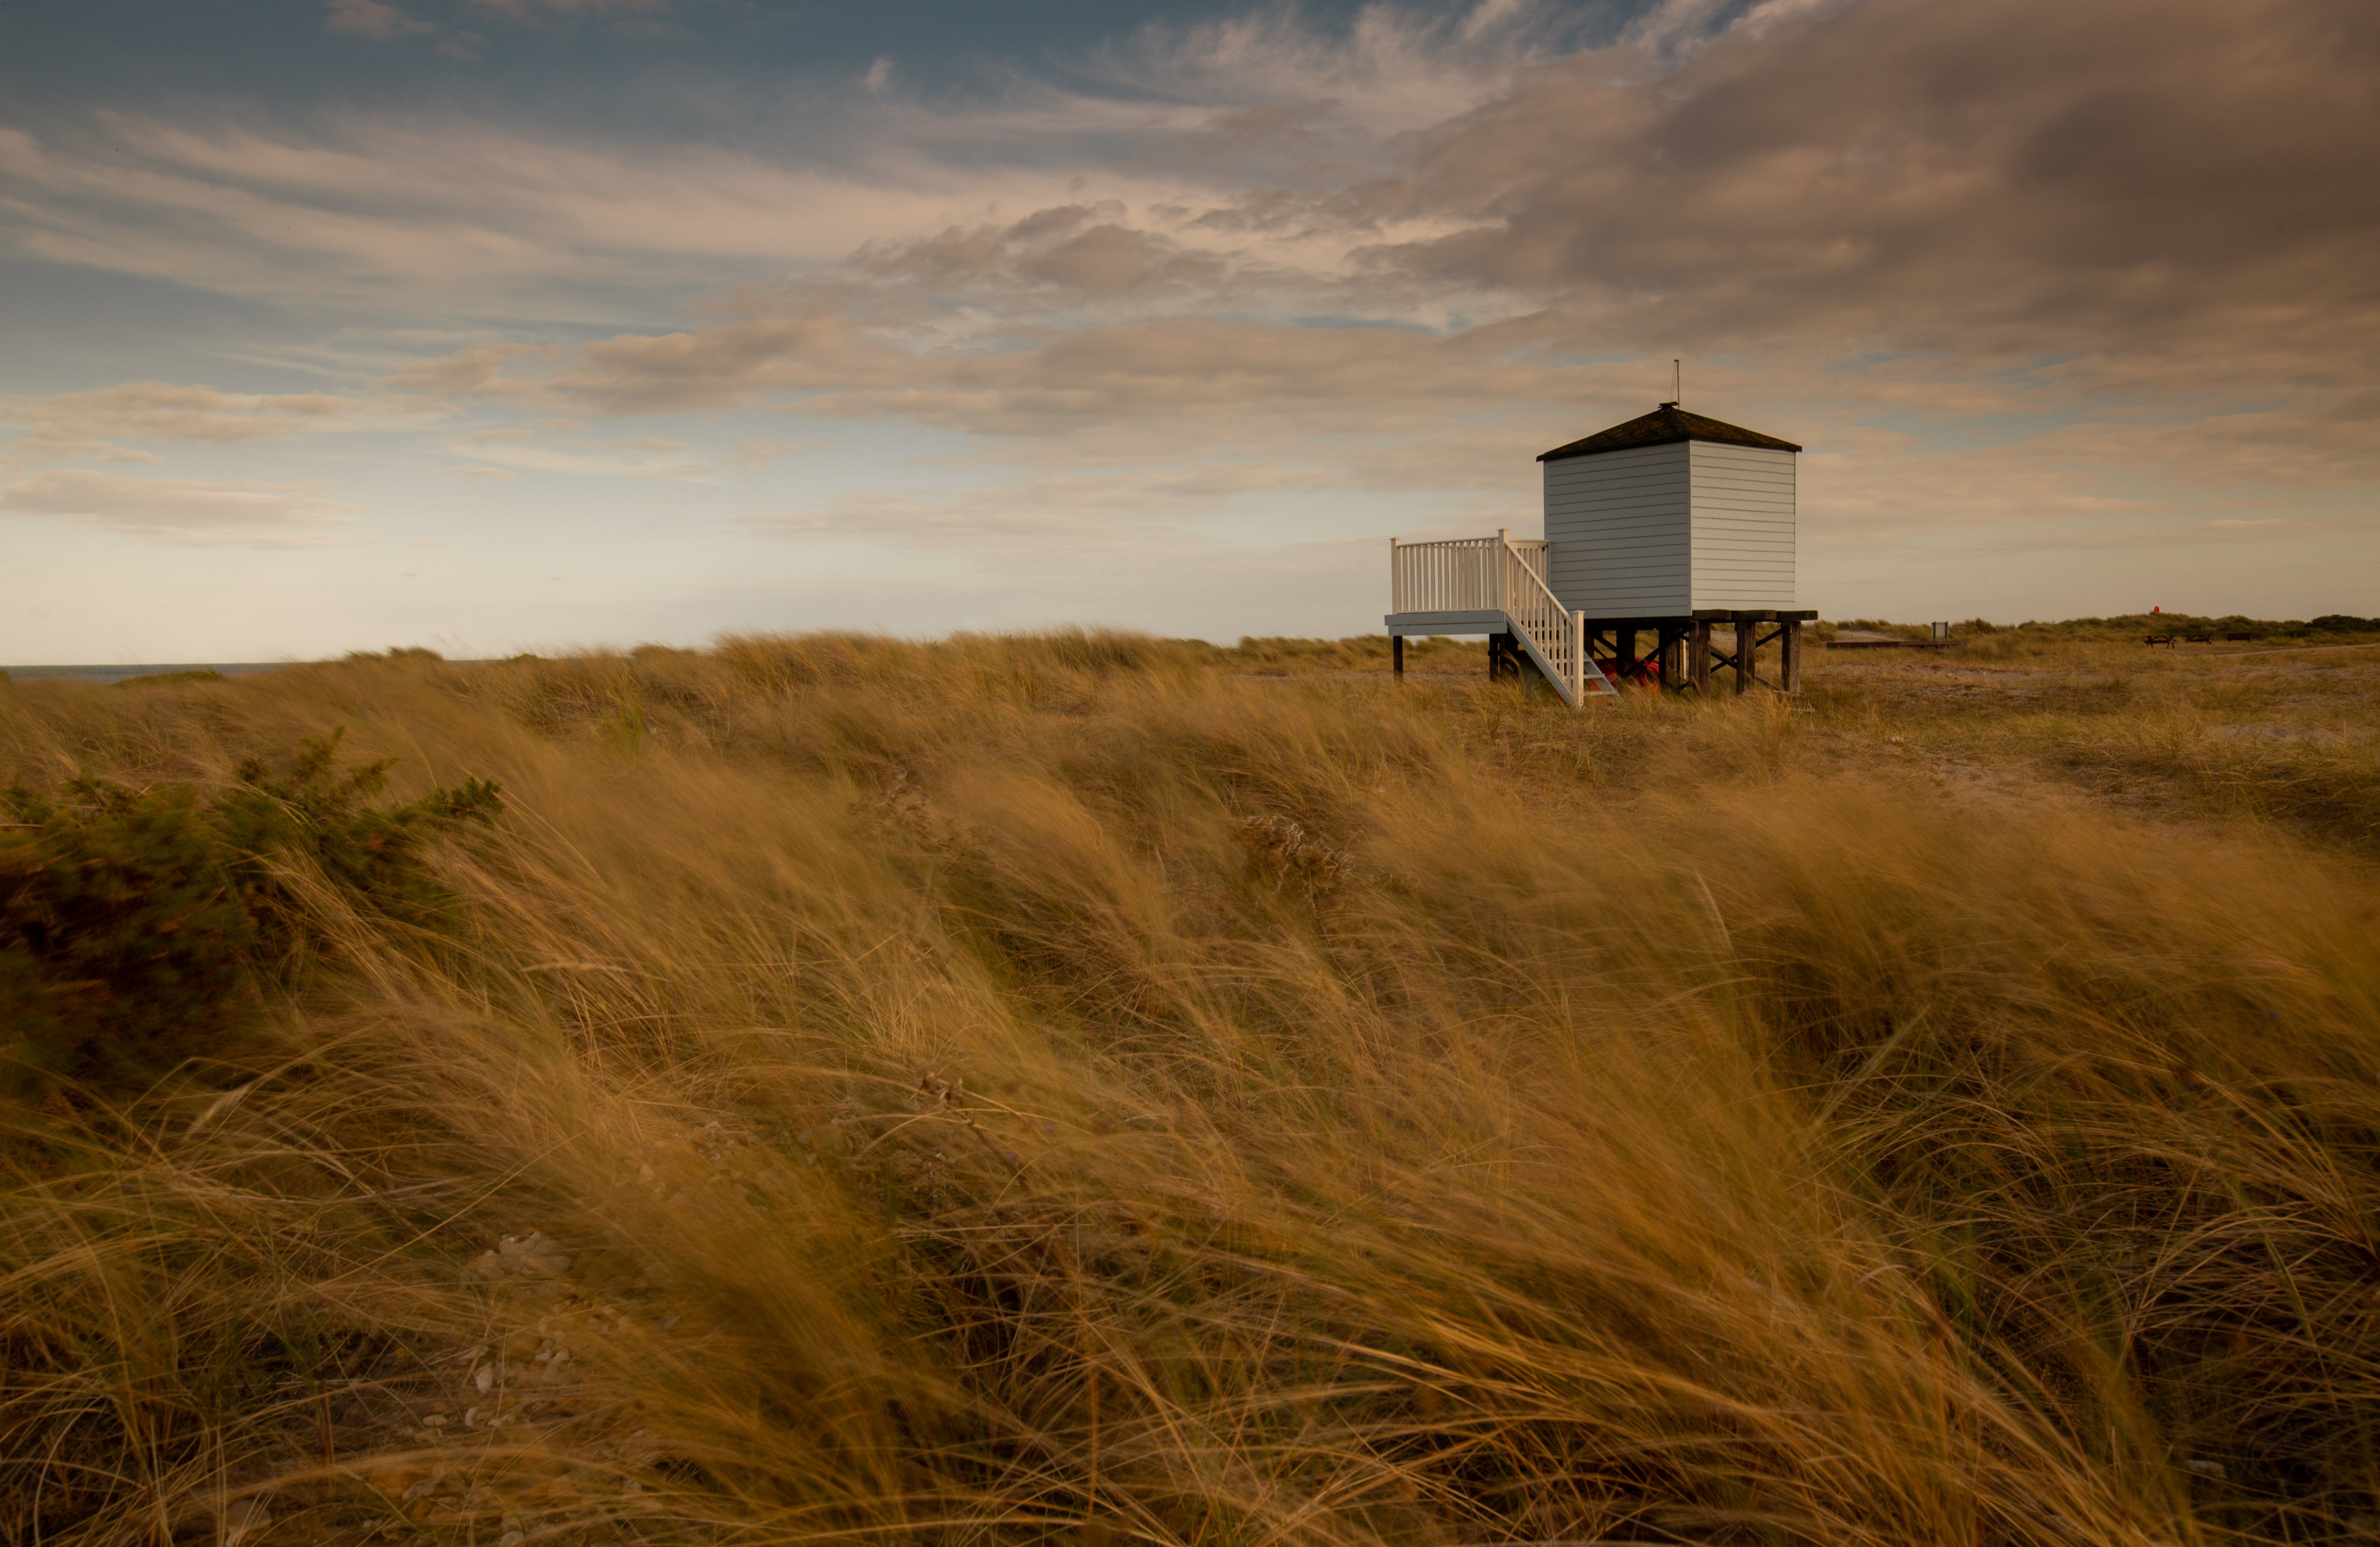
x,y
1663,426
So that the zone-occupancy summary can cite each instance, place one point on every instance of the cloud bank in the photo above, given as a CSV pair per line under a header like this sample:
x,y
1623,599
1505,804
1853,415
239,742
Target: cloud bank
x,y
2023,275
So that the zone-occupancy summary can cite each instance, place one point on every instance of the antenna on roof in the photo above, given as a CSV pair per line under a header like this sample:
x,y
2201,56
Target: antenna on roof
x,y
1677,382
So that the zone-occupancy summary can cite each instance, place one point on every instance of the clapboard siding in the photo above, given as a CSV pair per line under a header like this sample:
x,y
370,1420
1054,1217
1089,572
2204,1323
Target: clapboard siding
x,y
1744,488
1617,532
1660,530
1741,515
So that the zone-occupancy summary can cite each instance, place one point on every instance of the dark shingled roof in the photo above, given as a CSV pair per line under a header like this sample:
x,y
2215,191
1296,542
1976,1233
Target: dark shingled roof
x,y
1664,426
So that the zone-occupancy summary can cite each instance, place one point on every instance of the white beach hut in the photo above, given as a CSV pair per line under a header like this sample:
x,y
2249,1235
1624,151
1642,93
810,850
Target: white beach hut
x,y
1671,525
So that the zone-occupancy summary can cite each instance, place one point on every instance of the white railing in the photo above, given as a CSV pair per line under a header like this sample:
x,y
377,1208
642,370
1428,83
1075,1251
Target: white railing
x,y
1498,574
1462,575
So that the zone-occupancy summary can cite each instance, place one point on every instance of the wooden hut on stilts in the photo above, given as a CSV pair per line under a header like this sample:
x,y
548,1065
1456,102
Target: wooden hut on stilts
x,y
1665,530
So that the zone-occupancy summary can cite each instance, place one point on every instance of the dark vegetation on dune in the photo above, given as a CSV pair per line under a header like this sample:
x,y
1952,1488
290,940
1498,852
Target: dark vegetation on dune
x,y
1086,1087
136,926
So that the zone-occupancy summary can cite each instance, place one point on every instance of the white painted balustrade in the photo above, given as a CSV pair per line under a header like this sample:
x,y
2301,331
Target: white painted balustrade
x,y
1498,574
1464,576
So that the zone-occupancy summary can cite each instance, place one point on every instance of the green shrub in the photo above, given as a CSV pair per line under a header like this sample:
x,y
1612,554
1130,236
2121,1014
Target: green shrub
x,y
136,926
201,673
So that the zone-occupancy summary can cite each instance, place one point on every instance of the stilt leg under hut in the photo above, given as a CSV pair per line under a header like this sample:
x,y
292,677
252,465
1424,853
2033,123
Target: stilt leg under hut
x,y
1686,654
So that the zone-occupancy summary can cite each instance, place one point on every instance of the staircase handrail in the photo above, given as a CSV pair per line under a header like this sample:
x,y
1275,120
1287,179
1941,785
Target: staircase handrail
x,y
1555,635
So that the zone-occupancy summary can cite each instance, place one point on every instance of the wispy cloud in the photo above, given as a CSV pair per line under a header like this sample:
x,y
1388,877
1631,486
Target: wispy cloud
x,y
374,20
2262,530
645,456
241,515
541,10
393,215
89,423
384,22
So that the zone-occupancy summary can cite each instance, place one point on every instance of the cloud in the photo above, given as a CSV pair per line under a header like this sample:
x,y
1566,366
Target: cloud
x,y
2322,440
387,209
476,372
922,519
87,423
723,367
2148,186
641,456
1050,506
758,452
193,514
2020,261
2135,188
825,362
439,213
2092,204
525,11
1068,250
1393,71
2258,530
374,20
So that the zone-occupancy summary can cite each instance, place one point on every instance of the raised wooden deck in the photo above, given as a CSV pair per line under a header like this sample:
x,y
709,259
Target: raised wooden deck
x,y
1497,586
1494,586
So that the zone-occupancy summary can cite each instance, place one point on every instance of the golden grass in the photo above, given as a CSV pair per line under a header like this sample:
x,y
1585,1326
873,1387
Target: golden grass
x,y
2286,735
1077,1088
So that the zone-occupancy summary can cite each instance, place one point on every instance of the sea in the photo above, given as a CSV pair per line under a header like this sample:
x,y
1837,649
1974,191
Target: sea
x,y
120,673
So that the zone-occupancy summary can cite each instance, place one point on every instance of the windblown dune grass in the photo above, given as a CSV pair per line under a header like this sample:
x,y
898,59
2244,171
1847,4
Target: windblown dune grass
x,y
1064,1089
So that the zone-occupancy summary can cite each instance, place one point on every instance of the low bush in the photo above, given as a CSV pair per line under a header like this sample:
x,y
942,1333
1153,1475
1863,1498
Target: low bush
x,y
136,925
197,674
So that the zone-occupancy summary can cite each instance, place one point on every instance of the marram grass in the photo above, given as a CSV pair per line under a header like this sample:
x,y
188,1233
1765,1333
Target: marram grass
x,y
1083,1088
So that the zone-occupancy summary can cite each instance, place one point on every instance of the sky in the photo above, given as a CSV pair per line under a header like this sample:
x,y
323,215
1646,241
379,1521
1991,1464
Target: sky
x,y
501,325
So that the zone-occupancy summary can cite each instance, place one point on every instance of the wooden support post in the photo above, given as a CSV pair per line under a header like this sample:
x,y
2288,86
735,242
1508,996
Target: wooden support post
x,y
1397,656
1673,660
1698,667
1623,650
1747,631
1789,654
